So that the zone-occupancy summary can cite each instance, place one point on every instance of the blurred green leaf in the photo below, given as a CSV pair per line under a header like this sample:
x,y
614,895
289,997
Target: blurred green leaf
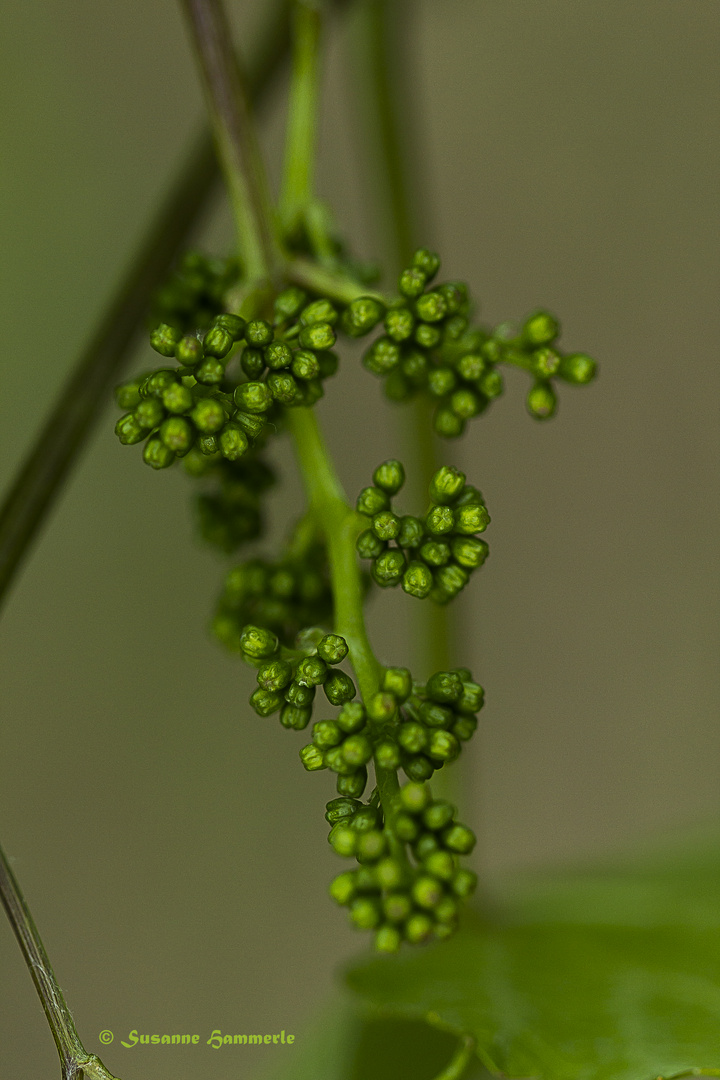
x,y
609,974
346,1042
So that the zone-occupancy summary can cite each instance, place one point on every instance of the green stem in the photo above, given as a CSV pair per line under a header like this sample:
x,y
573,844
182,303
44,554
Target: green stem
x,y
319,234
57,448
327,282
298,180
379,37
74,1058
691,1072
341,526
433,630
79,404
383,133
227,101
460,1060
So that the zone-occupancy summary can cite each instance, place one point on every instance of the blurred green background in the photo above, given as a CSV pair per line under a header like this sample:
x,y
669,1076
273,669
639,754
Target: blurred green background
x,y
171,847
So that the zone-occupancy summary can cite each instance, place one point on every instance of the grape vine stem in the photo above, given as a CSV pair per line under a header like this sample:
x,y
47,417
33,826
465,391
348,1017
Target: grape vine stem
x,y
298,179
79,404
341,526
75,1060
228,102
460,1060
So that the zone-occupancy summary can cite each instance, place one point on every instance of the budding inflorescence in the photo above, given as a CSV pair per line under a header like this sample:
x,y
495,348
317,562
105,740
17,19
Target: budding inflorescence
x,y
283,596
195,293
197,406
288,678
233,380
430,347
229,511
433,555
409,883
409,725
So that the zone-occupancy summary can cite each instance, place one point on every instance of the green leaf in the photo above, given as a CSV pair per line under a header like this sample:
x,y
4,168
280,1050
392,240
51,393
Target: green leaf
x,y
599,975
349,1043
674,881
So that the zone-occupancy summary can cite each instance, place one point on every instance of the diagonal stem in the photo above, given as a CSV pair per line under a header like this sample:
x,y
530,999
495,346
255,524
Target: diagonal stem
x,y
228,104
385,125
397,174
340,525
299,168
57,448
75,412
74,1059
460,1060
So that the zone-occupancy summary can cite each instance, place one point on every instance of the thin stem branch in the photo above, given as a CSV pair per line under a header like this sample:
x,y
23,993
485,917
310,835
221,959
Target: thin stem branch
x,y
57,448
341,526
74,1059
378,37
384,134
76,408
329,282
459,1061
79,402
691,1072
299,166
228,103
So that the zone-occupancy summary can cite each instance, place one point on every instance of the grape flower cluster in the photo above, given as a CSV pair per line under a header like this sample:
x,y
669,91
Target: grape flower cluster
x,y
229,508
430,347
433,555
197,406
281,596
222,391
196,292
288,679
409,884
409,725
409,881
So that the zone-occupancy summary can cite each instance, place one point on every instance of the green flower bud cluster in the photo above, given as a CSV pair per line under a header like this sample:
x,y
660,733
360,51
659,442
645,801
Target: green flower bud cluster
x,y
196,405
175,414
409,883
345,745
421,727
229,511
433,555
294,362
410,355
196,292
284,362
282,596
429,347
413,726
535,350
288,679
